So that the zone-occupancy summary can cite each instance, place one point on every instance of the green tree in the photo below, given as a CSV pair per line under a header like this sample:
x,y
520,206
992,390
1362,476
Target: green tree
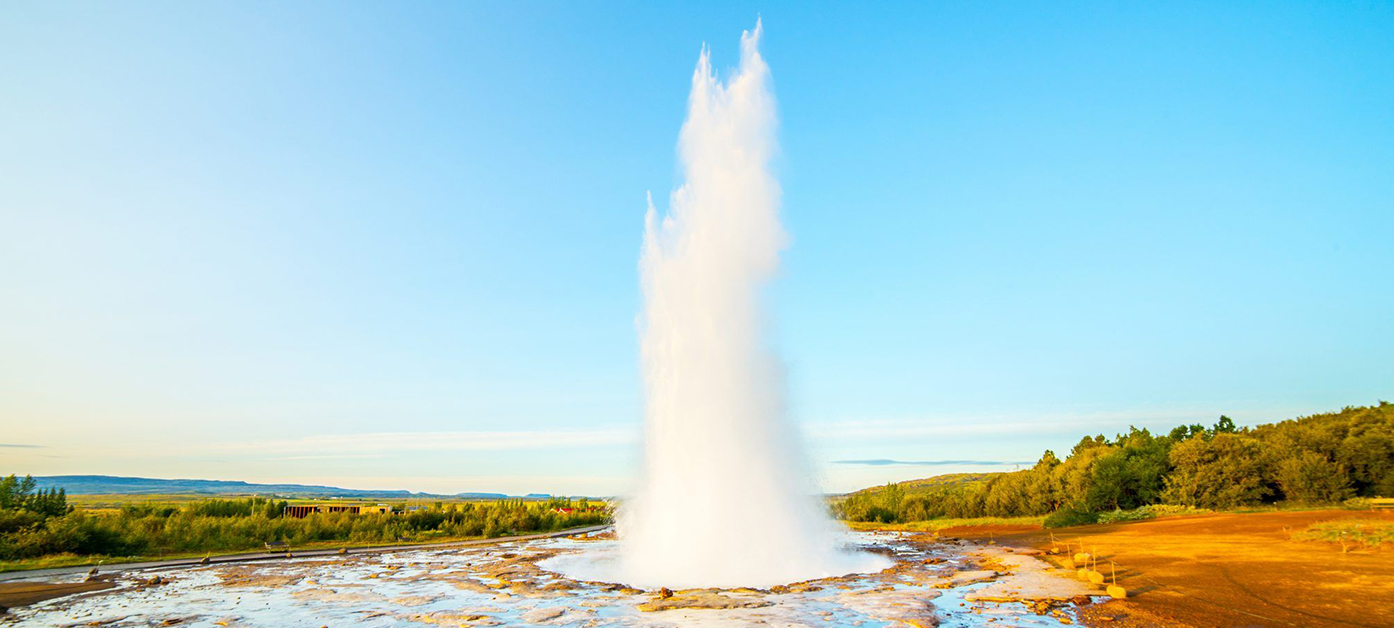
x,y
10,498
1075,476
1132,474
1183,432
1311,477
1223,472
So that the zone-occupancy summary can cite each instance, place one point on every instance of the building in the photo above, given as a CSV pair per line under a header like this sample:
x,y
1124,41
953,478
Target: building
x,y
300,511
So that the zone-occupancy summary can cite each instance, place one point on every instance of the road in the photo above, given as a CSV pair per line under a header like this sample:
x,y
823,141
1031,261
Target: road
x,y
255,556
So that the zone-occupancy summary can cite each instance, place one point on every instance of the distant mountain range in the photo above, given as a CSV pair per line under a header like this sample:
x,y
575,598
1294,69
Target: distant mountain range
x,y
109,485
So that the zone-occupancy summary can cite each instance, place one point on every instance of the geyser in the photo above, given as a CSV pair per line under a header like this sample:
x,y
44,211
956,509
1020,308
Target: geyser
x,y
726,497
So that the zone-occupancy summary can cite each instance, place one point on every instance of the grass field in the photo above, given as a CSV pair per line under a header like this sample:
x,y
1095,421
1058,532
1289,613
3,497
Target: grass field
x,y
114,529
115,501
72,560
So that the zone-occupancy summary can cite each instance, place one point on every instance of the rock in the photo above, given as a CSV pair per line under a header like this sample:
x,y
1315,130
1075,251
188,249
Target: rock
x,y
701,598
414,600
963,578
543,614
1041,607
443,618
664,593
903,608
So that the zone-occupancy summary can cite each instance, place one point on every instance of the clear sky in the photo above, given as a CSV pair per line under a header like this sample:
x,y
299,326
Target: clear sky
x,y
394,245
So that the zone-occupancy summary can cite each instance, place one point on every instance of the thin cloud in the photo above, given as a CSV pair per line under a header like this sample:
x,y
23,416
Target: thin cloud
x,y
332,457
881,462
21,446
378,442
997,424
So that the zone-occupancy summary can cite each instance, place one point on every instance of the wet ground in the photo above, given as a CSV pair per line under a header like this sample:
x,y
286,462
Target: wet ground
x,y
933,582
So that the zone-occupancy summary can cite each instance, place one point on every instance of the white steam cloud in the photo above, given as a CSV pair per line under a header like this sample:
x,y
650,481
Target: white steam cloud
x,y
727,497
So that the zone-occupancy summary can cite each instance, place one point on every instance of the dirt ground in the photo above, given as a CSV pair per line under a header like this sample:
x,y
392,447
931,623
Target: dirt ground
x,y
14,594
1227,571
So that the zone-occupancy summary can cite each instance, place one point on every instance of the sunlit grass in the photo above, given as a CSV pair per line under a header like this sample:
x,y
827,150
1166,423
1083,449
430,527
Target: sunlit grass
x,y
74,560
933,525
1350,533
100,502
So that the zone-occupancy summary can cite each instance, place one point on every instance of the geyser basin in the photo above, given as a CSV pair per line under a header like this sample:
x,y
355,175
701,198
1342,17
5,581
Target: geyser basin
x,y
606,562
947,584
726,495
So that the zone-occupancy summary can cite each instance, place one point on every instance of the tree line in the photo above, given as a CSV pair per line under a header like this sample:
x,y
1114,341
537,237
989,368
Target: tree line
x,y
36,527
1318,459
23,496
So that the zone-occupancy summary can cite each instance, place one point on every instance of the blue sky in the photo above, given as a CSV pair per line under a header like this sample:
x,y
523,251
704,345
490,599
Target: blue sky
x,y
395,245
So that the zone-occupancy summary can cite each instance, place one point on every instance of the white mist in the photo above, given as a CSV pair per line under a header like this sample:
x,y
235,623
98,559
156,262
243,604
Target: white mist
x,y
726,497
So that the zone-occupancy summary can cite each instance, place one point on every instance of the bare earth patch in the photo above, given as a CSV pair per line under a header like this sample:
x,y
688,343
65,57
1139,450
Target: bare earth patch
x,y
1233,569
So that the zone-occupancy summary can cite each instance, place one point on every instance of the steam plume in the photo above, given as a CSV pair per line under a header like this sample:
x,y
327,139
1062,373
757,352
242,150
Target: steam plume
x,y
726,498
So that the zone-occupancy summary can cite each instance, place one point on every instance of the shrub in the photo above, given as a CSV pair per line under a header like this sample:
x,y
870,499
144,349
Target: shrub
x,y
1358,503
1144,513
1310,477
1074,516
1223,472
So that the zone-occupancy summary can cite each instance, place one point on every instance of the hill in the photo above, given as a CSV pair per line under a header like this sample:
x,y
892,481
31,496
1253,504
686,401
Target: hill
x,y
924,485
1322,459
110,485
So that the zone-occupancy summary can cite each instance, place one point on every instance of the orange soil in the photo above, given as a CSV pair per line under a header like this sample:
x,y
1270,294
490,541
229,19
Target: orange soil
x,y
1227,570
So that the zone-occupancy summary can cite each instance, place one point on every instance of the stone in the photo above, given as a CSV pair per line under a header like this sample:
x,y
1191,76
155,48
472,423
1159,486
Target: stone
x,y
544,614
701,598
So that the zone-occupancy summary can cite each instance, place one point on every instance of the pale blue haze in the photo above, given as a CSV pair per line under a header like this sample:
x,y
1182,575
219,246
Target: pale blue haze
x,y
231,230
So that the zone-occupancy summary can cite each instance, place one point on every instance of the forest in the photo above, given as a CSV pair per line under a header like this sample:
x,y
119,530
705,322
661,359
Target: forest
x,y
1320,459
40,523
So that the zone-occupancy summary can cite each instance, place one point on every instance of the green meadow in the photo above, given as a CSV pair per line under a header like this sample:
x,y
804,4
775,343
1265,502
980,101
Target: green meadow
x,y
46,529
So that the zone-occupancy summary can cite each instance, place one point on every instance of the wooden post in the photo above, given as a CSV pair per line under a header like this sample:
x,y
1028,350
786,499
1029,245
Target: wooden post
x,y
1115,591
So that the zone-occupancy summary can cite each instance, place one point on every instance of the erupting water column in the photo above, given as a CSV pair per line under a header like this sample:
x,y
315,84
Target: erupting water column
x,y
726,498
